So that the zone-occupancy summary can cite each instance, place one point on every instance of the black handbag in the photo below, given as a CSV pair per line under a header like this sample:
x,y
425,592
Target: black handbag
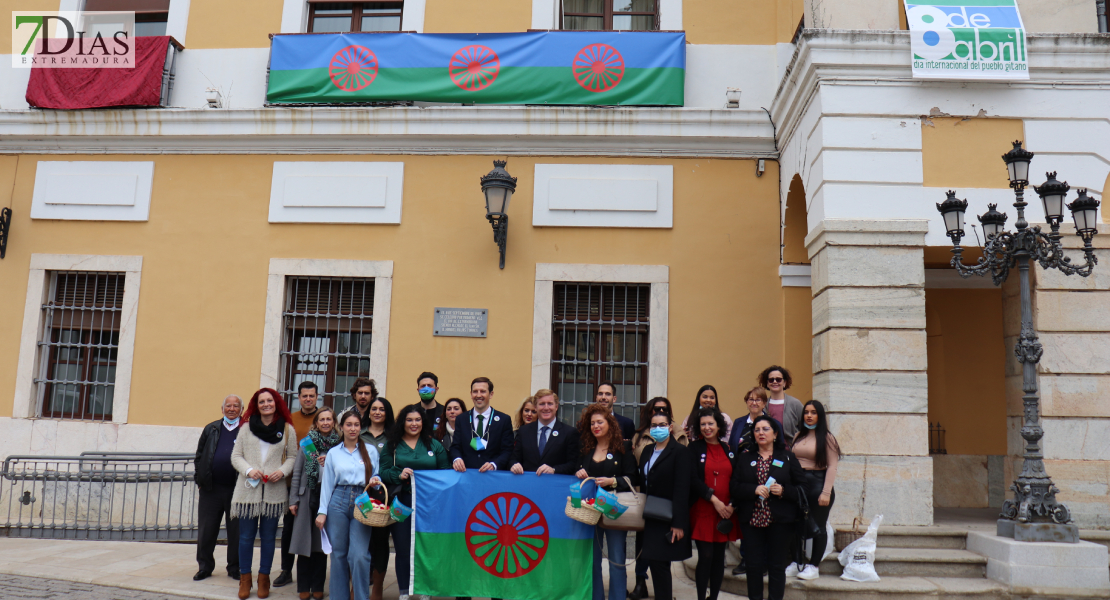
x,y
807,525
658,509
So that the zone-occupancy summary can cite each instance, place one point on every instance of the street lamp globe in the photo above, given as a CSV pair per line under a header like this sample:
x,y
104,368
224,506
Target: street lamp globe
x,y
993,221
953,209
498,187
1052,194
1084,210
1017,165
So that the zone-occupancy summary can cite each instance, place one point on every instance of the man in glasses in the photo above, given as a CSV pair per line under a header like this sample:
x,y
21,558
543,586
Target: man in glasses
x,y
783,408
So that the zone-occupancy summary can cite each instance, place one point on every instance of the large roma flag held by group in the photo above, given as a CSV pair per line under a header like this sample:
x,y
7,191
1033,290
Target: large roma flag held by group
x,y
544,67
498,535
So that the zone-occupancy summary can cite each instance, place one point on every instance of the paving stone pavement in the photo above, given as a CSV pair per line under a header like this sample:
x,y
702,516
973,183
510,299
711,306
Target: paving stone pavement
x,y
15,586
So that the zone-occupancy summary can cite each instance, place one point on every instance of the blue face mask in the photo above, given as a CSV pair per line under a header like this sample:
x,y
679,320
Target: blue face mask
x,y
231,423
659,433
808,426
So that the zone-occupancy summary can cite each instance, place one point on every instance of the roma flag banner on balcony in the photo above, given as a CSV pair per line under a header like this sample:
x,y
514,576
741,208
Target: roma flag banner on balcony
x,y
543,67
498,535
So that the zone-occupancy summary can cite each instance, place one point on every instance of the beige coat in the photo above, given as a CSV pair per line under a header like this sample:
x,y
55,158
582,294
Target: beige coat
x,y
267,499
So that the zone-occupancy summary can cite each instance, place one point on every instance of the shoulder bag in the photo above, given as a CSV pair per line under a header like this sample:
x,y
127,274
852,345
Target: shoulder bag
x,y
633,518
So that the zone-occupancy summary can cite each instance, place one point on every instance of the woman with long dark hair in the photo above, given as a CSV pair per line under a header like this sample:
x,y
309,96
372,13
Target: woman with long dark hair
x,y
304,503
603,458
705,398
446,430
376,435
264,454
712,521
767,509
348,468
818,453
409,449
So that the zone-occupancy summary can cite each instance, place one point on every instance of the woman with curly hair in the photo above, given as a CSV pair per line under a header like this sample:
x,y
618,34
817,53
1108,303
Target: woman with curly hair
x,y
785,409
603,458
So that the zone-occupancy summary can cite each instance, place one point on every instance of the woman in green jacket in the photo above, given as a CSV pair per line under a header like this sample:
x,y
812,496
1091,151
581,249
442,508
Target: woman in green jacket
x,y
409,449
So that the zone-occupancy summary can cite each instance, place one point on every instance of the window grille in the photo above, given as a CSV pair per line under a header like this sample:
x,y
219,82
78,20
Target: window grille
x,y
79,345
328,322
610,15
599,334
344,17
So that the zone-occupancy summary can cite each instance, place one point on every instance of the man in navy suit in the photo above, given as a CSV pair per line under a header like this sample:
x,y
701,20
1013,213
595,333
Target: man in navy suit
x,y
607,395
493,428
546,445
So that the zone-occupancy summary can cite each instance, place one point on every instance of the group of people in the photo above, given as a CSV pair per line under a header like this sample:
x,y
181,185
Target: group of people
x,y
725,480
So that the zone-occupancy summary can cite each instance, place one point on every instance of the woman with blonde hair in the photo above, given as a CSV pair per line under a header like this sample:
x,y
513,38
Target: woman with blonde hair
x,y
526,414
304,502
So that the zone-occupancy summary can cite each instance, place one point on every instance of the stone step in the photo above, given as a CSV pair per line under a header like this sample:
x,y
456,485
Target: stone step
x,y
922,537
919,562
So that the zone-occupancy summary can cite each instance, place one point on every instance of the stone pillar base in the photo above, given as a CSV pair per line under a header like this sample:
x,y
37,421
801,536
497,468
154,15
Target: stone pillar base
x,y
1038,532
1082,566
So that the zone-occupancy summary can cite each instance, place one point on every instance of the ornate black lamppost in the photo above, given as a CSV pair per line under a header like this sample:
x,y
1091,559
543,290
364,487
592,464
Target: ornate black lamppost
x,y
1034,514
498,188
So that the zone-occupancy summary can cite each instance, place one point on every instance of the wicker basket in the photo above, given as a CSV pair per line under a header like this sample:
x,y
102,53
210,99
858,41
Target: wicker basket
x,y
842,538
583,514
375,518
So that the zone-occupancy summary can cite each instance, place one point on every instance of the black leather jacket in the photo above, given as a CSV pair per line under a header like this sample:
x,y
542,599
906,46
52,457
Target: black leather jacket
x,y
206,450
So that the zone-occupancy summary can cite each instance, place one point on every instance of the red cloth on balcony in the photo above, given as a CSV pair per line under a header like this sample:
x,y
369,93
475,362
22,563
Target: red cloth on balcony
x,y
101,88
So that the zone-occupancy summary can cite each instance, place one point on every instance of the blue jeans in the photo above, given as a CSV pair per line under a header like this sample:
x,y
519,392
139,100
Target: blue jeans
x,y
618,577
350,543
264,527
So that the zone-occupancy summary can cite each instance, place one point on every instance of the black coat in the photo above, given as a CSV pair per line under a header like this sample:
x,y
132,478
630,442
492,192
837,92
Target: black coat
x,y
560,453
669,478
784,509
206,450
499,441
628,427
698,487
621,465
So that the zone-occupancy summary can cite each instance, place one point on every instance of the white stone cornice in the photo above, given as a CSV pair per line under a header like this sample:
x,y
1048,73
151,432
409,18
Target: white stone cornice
x,y
509,130
881,58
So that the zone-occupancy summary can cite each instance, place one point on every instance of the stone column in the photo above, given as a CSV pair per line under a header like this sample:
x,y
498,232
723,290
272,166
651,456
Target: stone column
x,y
1072,317
869,363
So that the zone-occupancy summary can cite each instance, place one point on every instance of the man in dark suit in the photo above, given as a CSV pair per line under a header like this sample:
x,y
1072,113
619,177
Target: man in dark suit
x,y
607,395
546,445
493,429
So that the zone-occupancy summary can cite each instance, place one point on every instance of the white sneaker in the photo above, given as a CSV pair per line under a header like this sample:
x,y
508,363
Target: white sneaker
x,y
404,597
810,572
792,570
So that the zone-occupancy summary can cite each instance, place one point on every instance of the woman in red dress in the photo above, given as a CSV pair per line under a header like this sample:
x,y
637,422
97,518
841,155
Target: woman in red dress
x,y
712,519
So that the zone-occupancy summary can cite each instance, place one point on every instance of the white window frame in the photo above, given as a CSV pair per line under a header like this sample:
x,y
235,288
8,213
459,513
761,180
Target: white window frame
x,y
658,314
381,271
294,16
176,25
38,286
545,14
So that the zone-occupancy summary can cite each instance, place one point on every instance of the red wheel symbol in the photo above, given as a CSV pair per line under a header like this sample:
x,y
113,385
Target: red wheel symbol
x,y
474,68
353,68
507,535
598,67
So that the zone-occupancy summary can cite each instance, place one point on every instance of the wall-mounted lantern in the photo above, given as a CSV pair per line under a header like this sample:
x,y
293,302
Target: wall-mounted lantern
x,y
498,187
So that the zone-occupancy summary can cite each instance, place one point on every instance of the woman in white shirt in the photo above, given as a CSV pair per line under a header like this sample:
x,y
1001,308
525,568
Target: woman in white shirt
x,y
264,454
347,468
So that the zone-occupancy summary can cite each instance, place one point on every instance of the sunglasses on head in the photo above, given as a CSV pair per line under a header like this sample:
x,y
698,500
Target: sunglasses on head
x,y
774,379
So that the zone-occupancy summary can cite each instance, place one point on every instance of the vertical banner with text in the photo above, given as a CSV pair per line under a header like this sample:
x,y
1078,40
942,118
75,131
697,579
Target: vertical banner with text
x,y
967,39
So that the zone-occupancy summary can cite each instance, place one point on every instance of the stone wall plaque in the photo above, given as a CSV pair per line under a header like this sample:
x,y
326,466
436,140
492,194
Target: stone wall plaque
x,y
460,322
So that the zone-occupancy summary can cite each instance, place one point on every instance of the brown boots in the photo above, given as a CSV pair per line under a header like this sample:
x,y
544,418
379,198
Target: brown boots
x,y
263,585
376,590
245,584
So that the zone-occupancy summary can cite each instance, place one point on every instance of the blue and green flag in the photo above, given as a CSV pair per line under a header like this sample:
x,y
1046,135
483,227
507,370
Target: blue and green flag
x,y
543,67
498,535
